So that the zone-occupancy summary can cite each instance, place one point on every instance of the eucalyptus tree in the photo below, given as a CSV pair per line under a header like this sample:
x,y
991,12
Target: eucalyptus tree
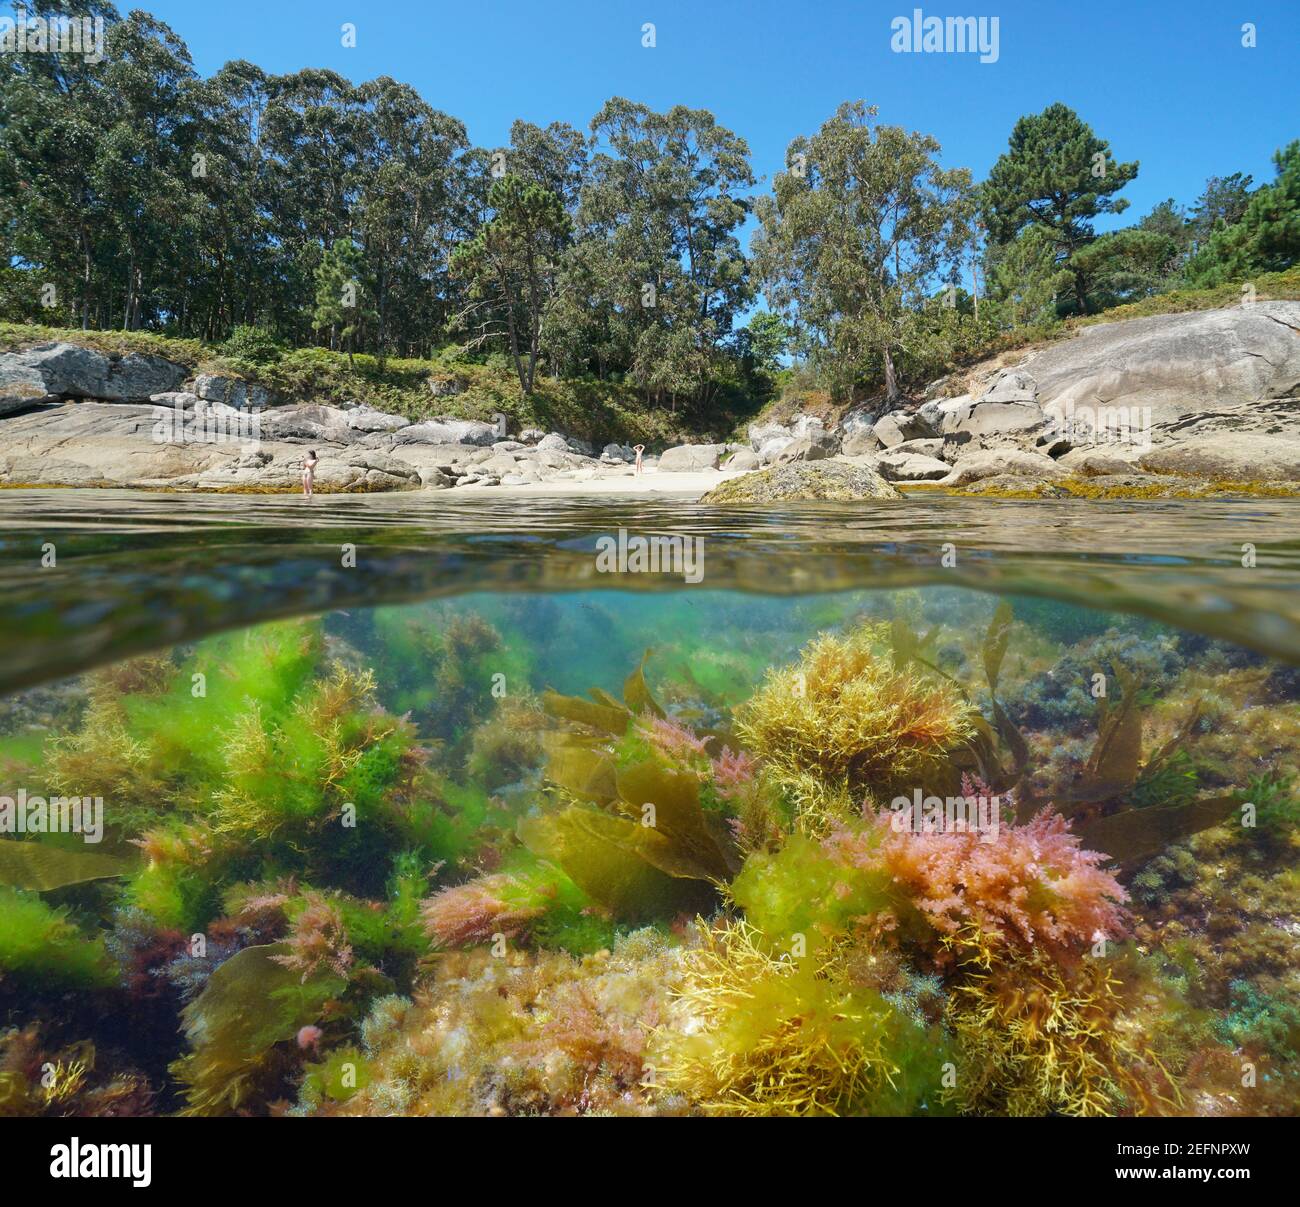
x,y
657,217
857,233
405,211
52,206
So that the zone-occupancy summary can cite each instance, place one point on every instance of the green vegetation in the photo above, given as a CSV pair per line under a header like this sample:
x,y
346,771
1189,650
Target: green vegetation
x,y
351,878
590,281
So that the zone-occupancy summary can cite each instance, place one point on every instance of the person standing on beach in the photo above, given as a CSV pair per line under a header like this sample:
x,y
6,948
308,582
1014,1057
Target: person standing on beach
x,y
638,449
308,471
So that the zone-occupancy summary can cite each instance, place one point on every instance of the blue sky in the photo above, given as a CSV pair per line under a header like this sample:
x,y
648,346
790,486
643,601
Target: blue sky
x,y
1168,84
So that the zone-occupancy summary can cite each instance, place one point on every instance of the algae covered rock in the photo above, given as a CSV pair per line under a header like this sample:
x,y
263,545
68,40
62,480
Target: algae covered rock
x,y
829,480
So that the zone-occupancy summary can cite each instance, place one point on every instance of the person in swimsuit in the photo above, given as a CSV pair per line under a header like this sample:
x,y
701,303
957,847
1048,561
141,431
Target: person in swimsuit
x,y
308,471
638,449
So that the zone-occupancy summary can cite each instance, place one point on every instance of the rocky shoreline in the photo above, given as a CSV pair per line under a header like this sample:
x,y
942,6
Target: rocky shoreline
x,y
1144,406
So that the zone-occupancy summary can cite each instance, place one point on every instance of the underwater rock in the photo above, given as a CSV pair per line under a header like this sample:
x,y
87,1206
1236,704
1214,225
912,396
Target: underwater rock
x,y
829,480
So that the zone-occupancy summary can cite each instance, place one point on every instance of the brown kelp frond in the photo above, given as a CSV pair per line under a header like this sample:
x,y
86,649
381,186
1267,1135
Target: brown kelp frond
x,y
632,830
602,712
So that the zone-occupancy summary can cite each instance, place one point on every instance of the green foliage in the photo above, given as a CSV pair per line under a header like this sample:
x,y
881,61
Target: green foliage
x,y
338,1076
793,1037
1266,238
511,265
1261,1022
802,890
1277,802
340,305
255,345
41,950
1056,175
860,225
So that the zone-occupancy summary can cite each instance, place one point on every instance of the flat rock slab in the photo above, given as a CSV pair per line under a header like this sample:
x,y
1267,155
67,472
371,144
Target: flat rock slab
x,y
1176,364
1239,457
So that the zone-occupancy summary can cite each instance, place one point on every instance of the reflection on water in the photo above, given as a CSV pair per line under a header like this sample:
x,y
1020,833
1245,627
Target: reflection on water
x,y
388,805
139,571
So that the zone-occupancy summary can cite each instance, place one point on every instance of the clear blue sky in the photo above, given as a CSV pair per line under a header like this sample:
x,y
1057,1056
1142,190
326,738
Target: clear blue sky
x,y
1168,83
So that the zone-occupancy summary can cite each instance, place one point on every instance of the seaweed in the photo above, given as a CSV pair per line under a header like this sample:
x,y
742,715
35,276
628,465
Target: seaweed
x,y
42,949
765,1035
35,865
252,1005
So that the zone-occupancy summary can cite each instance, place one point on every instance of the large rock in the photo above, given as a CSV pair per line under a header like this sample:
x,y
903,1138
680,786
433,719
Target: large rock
x,y
21,387
860,442
1176,364
897,465
863,419
368,419
898,426
71,371
802,449
1010,404
448,431
1242,457
349,470
313,421
935,412
745,459
829,480
761,433
114,444
932,447
1101,460
232,391
690,458
991,462
1014,386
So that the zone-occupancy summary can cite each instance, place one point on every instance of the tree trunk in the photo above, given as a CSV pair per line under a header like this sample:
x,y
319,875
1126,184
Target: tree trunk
x,y
891,379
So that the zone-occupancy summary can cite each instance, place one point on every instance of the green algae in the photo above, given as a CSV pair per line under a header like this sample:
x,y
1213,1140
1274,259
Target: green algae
x,y
501,850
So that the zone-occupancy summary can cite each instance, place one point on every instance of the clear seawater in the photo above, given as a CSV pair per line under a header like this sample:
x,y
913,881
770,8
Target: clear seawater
x,y
348,870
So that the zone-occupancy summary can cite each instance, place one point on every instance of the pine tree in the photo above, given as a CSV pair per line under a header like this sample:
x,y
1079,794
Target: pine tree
x,y
339,297
1058,175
